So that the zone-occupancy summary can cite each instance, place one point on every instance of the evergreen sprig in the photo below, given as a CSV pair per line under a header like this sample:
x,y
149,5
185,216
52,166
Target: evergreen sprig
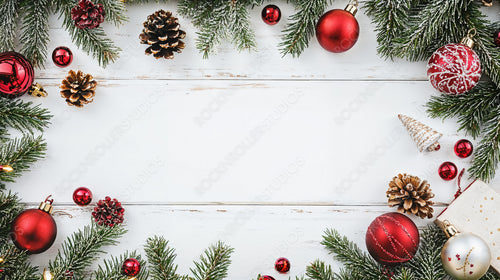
x,y
318,270
9,10
81,248
161,259
111,268
214,263
9,209
301,26
35,31
116,12
20,154
16,264
23,116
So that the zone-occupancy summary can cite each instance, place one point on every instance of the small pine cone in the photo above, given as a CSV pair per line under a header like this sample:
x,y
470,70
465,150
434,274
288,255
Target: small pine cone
x,y
161,31
78,88
87,15
411,195
108,212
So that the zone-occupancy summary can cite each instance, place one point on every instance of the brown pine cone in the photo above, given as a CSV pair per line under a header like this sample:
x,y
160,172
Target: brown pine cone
x,y
87,15
78,88
411,195
108,212
161,31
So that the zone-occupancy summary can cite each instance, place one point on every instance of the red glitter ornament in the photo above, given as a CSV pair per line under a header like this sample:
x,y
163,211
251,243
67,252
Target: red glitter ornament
x,y
496,37
87,15
448,171
131,267
271,14
62,56
282,265
266,277
34,230
82,196
455,69
392,239
463,148
338,30
16,74
108,212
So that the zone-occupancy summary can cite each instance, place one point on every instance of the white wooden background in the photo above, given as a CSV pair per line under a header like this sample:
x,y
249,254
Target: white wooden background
x,y
259,151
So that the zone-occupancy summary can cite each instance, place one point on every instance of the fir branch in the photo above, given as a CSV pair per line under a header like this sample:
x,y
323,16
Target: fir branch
x,y
243,36
16,263
82,247
161,259
23,116
8,24
488,52
115,11
487,155
20,154
111,269
35,31
353,258
296,36
9,209
214,263
144,1
427,263
93,41
491,275
320,271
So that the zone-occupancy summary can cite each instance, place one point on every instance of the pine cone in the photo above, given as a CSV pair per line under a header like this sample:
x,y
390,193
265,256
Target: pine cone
x,y
87,15
161,31
411,195
78,88
108,212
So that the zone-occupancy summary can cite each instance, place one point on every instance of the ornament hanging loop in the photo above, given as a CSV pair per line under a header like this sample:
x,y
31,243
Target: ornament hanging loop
x,y
49,200
352,7
468,40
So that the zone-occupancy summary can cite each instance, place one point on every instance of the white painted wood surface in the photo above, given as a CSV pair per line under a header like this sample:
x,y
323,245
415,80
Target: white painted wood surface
x,y
259,151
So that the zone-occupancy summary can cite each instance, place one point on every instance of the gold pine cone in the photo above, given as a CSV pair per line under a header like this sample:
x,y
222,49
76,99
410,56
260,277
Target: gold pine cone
x,y
78,88
411,195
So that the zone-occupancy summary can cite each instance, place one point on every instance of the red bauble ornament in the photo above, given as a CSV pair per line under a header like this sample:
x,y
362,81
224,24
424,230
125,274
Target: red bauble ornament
x,y
34,230
496,37
454,69
282,265
16,74
62,56
266,277
338,30
463,148
131,267
82,196
392,239
271,14
448,171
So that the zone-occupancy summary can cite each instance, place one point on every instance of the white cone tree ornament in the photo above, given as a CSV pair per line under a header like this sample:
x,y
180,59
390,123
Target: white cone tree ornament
x,y
425,137
465,256
455,69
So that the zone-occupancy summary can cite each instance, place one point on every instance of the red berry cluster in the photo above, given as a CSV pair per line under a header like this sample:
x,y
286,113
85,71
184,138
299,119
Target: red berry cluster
x,y
108,212
87,15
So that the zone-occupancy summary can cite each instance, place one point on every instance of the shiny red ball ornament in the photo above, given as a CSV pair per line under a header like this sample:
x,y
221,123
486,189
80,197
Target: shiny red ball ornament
x,y
282,265
271,14
448,171
34,230
266,277
62,56
131,267
82,196
16,74
392,239
496,37
454,69
338,30
463,148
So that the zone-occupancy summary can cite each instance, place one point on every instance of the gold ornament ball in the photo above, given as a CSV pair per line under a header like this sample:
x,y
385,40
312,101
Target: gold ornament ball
x,y
465,256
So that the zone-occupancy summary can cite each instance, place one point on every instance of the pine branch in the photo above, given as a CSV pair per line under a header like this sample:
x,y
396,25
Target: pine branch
x,y
487,155
16,264
8,24
112,268
161,259
243,36
353,258
296,36
427,263
9,209
93,41
23,116
320,271
144,1
35,31
82,247
488,52
115,11
20,154
214,263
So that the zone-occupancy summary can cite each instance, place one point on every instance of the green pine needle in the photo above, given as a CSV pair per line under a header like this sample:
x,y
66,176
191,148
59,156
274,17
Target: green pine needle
x,y
214,263
8,24
112,268
35,31
20,154
116,12
23,116
320,271
161,259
